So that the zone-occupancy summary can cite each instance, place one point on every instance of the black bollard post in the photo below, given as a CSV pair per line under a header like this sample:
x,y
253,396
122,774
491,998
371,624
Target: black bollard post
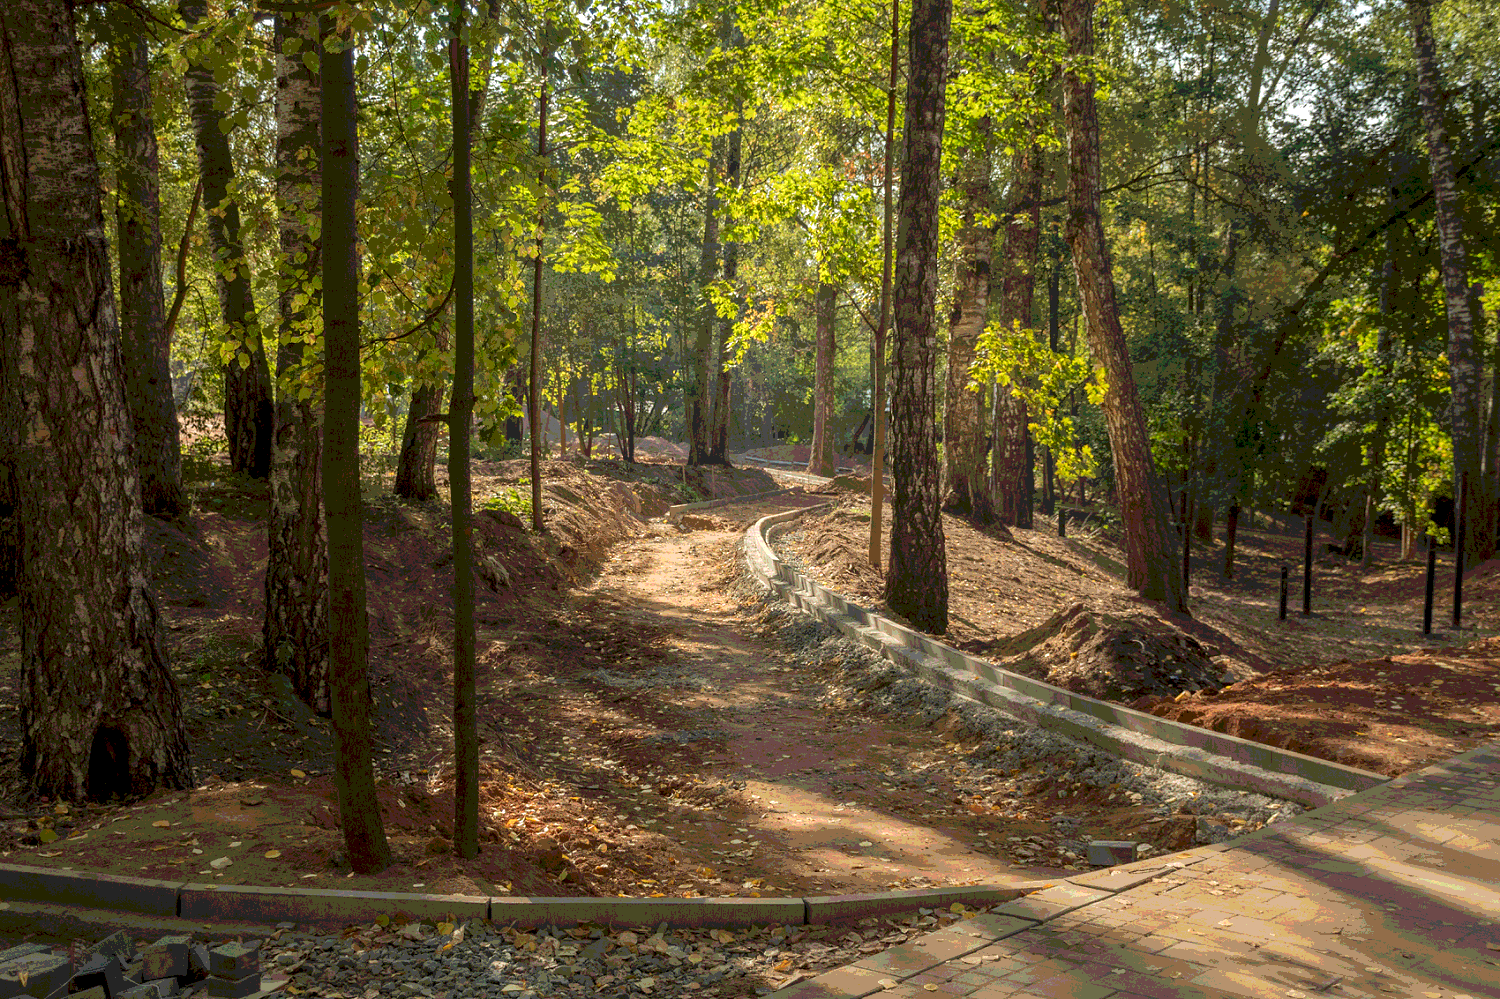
x,y
1460,509
1282,615
1431,572
1307,567
1062,523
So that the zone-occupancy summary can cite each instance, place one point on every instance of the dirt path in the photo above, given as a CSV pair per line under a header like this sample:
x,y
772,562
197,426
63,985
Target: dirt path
x,y
821,811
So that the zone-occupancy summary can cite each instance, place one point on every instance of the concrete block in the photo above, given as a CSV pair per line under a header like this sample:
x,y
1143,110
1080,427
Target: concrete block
x,y
197,960
117,944
166,958
106,972
1108,852
22,950
233,988
1120,878
97,992
320,907
840,908
161,988
44,974
234,960
681,913
94,891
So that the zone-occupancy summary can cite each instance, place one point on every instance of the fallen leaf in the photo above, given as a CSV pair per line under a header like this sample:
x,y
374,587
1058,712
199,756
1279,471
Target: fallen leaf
x,y
47,835
272,854
161,824
298,773
220,863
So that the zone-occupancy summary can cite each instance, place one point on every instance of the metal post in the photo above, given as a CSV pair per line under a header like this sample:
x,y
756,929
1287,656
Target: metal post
x,y
1307,567
1062,522
1282,615
1431,572
1460,510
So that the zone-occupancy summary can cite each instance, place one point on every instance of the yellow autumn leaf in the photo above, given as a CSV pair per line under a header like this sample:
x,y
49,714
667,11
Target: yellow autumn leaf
x,y
272,854
445,928
161,824
46,835
298,773
382,920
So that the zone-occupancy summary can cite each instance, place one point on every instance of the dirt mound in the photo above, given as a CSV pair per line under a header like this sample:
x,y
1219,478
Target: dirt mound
x,y
1348,712
837,562
1113,658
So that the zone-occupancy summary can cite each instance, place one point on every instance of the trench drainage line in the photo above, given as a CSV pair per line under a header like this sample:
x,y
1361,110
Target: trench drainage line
x,y
1225,760
675,512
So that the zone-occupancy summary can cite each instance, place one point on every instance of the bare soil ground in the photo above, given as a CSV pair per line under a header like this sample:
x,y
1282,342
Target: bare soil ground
x,y
1354,682
645,734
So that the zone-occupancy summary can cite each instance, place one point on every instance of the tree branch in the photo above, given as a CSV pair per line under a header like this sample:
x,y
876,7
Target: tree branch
x,y
182,255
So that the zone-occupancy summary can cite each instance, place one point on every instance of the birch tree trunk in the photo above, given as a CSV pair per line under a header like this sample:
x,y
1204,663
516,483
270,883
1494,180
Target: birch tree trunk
x,y
144,341
1463,357
100,711
699,393
916,581
296,625
249,418
1151,563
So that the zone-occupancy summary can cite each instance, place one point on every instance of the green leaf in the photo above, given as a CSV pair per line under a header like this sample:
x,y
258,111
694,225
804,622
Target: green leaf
x,y
310,60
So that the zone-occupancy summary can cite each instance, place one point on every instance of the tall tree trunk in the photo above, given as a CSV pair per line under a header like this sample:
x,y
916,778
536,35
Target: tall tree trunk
x,y
296,624
1463,356
538,439
1011,473
1150,545
348,630
100,711
248,414
465,716
144,340
719,438
966,486
877,345
1049,464
916,581
415,478
820,461
699,360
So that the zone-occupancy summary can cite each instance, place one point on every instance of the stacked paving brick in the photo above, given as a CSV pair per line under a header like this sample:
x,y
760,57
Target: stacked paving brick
x,y
172,966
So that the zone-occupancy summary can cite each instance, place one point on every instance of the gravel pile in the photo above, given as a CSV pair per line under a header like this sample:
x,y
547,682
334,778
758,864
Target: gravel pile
x,y
480,961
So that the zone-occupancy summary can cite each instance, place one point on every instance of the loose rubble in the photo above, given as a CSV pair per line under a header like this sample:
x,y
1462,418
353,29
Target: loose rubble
x,y
479,960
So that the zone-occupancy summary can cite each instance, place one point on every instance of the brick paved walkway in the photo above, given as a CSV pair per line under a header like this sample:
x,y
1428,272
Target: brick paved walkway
x,y
1394,891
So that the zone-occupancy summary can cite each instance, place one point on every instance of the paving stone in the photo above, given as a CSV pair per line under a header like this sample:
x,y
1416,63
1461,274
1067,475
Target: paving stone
x,y
102,971
1108,852
841,983
22,950
44,973
1119,878
1050,902
234,960
233,988
167,957
117,944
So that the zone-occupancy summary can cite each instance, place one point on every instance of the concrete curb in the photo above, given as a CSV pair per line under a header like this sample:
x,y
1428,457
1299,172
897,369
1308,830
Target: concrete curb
x,y
1134,735
675,512
34,895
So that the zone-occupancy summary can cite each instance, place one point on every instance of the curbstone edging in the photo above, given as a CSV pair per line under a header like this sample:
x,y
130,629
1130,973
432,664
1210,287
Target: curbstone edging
x,y
319,906
678,913
1134,735
104,891
676,511
838,908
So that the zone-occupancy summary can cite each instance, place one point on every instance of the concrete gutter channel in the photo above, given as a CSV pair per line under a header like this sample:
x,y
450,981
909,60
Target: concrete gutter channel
x,y
1213,757
58,902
